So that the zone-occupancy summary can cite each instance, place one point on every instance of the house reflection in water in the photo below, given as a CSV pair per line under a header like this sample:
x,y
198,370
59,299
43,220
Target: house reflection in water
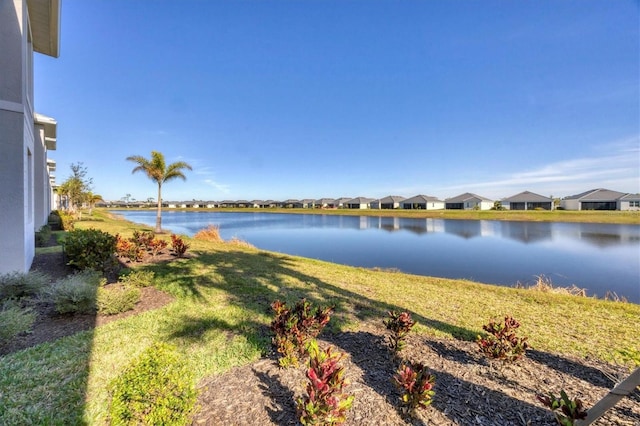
x,y
527,232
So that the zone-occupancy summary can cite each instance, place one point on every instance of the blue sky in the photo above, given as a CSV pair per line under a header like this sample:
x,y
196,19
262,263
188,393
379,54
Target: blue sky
x,y
310,99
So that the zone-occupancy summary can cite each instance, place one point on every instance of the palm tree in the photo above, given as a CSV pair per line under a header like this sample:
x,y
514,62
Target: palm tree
x,y
156,169
92,199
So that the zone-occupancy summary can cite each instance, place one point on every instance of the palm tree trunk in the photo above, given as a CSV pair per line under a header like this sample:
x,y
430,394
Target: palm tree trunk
x,y
159,212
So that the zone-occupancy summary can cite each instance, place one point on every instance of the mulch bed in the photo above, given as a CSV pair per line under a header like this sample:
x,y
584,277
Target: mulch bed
x,y
470,390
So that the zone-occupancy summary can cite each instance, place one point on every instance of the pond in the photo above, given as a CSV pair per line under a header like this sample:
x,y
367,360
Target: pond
x,y
598,257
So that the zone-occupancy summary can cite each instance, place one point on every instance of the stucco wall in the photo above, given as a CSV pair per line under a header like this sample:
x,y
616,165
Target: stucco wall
x,y
17,154
570,204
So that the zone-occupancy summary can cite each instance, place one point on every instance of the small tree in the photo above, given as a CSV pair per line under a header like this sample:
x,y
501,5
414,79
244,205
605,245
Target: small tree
x,y
76,187
92,199
497,205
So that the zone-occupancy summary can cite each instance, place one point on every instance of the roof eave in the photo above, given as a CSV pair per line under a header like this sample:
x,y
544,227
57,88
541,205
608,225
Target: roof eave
x,y
44,18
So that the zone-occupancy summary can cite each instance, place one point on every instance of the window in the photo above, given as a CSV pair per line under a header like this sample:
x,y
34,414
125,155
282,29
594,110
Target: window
x,y
634,203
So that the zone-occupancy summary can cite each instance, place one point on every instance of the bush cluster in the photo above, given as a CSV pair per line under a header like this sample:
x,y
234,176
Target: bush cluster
x,y
67,221
90,249
116,299
54,220
87,291
139,246
14,320
43,235
414,380
137,278
16,285
157,388
295,331
76,294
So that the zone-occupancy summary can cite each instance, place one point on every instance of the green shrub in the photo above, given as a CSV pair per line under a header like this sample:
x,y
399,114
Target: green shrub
x,y
76,293
14,320
43,235
157,388
66,221
138,278
90,249
54,220
15,285
117,299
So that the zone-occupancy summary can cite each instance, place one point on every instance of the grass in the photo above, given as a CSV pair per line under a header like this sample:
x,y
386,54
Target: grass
x,y
222,310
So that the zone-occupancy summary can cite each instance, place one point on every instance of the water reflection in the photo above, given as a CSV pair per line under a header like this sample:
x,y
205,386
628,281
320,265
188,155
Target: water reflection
x,y
464,228
599,257
527,232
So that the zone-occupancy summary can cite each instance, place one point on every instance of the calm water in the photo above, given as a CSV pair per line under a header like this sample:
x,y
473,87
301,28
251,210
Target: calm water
x,y
599,257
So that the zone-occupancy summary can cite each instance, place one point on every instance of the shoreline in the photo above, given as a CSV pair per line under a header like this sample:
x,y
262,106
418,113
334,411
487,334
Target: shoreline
x,y
561,216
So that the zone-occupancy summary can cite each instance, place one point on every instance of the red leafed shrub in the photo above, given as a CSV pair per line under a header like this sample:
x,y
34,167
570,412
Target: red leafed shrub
x,y
502,342
570,409
178,245
325,402
143,239
129,250
400,324
156,246
293,328
416,384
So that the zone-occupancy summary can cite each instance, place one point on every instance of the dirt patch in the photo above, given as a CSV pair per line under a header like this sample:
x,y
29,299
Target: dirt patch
x,y
470,390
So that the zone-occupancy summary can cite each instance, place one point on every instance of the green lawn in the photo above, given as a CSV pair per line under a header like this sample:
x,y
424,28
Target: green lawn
x,y
221,315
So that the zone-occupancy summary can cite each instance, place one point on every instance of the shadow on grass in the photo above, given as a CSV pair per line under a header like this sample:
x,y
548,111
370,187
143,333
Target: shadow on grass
x,y
44,374
253,280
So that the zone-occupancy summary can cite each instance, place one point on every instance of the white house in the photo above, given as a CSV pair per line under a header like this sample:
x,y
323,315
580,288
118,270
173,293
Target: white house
x,y
630,202
468,201
26,26
423,202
